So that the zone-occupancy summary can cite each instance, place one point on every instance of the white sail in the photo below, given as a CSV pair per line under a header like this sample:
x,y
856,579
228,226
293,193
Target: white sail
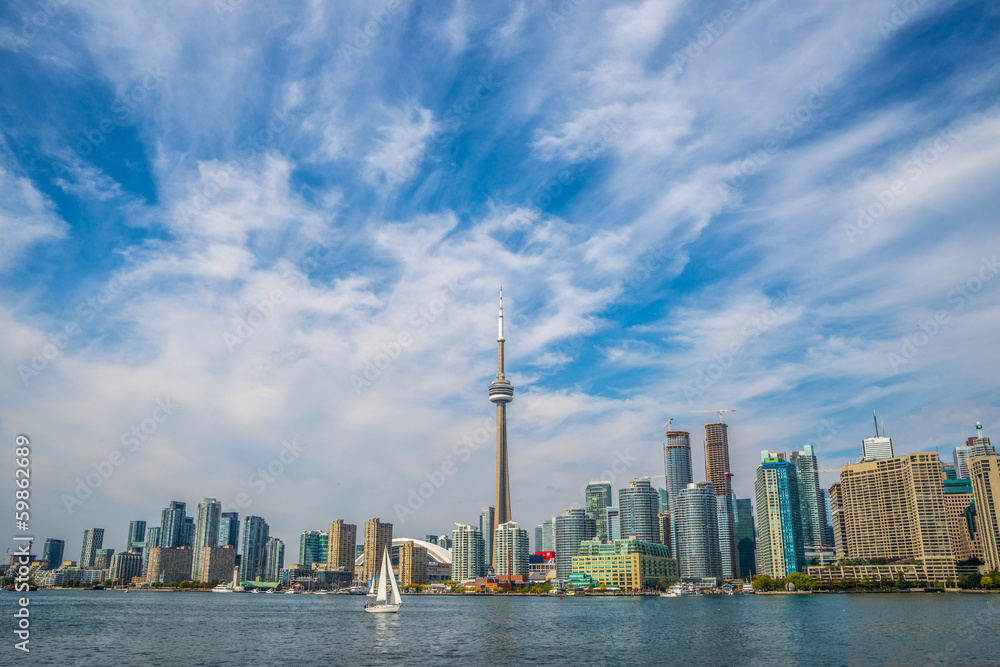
x,y
380,596
396,599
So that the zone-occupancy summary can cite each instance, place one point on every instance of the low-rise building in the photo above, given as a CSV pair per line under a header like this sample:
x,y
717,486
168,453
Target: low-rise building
x,y
627,564
890,572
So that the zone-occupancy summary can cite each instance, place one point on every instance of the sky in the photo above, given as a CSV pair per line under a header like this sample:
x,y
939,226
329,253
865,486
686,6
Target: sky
x,y
254,253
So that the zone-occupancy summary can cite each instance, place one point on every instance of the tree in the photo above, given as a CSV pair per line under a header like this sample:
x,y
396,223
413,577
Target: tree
x,y
762,582
986,582
802,581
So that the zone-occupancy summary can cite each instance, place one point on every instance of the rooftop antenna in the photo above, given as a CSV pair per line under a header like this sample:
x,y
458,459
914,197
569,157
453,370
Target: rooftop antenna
x,y
876,423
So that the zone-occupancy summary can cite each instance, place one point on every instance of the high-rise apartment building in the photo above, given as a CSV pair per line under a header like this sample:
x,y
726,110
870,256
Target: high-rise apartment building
x,y
838,521
136,539
412,564
172,524
894,509
614,524
253,559
93,539
571,529
486,527
511,550
984,471
663,524
694,514
725,510
378,537
974,447
206,534
168,565
780,551
124,567
313,545
549,535
965,542
187,532
275,560
638,506
217,563
597,497
816,530
717,458
153,534
52,553
342,546
229,530
538,538
468,559
677,453
102,558
746,539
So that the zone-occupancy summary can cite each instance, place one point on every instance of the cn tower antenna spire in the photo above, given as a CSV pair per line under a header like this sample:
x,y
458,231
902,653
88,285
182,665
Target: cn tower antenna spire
x,y
501,393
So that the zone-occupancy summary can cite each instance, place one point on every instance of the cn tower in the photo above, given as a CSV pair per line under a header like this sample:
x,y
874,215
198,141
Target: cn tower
x,y
501,393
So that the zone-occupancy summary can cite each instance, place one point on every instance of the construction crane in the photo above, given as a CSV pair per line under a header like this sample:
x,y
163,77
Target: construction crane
x,y
708,412
669,422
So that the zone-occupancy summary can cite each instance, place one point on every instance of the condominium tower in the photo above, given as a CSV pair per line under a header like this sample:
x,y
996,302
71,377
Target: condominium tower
x,y
638,506
378,537
694,516
93,539
984,471
571,529
780,550
598,500
342,546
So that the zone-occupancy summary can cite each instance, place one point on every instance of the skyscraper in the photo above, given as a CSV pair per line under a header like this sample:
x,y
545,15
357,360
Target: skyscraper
x,y
549,535
958,503
538,538
275,559
694,516
571,529
977,446
894,509
614,519
229,529
124,567
511,550
486,524
342,545
206,534
638,505
187,532
102,559
254,551
837,519
136,536
725,513
746,541
52,553
153,535
93,539
467,553
378,536
816,530
984,471
598,500
172,525
501,393
412,564
779,517
313,545
677,454
717,458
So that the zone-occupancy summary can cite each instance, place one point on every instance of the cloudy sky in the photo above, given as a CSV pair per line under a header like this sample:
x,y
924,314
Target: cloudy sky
x,y
237,238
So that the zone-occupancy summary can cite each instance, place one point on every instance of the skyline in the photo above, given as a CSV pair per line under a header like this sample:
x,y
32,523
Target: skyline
x,y
253,240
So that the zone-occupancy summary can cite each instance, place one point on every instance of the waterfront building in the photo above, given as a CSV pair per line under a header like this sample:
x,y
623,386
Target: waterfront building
x,y
501,393
172,524
549,535
958,503
153,534
313,545
136,539
597,497
511,550
206,534
637,508
52,553
912,572
614,524
838,521
694,514
984,471
746,539
726,520
229,530
253,557
187,532
378,536
412,564
124,567
169,565
102,558
342,545
275,559
895,509
677,455
572,528
93,539
217,563
816,530
468,559
780,551
486,527
628,564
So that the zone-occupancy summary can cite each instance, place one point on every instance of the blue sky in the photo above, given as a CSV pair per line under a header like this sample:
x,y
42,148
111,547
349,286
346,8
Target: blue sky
x,y
236,209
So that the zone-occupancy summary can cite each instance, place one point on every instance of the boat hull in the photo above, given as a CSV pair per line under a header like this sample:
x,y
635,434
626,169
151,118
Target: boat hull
x,y
383,609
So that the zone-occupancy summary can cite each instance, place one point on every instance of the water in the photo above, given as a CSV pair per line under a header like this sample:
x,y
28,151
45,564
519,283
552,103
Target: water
x,y
147,628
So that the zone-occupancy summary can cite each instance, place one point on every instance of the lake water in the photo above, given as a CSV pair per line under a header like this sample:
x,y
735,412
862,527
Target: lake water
x,y
146,628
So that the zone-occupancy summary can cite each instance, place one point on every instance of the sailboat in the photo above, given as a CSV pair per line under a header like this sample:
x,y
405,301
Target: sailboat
x,y
384,604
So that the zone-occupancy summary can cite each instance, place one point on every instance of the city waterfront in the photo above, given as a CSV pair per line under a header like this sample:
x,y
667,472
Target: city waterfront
x,y
149,628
